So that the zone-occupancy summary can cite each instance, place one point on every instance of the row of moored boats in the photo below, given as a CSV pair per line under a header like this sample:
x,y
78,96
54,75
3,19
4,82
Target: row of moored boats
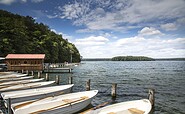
x,y
32,96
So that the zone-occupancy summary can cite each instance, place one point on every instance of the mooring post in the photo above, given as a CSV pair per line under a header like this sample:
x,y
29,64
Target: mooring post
x,y
69,70
9,106
113,92
32,73
27,72
70,79
151,97
22,71
39,74
47,77
57,79
88,83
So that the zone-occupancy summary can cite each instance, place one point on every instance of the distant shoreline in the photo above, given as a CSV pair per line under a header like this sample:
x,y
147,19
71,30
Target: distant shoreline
x,y
157,59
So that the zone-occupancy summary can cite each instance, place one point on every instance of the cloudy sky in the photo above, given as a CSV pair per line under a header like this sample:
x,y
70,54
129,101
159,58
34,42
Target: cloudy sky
x,y
108,28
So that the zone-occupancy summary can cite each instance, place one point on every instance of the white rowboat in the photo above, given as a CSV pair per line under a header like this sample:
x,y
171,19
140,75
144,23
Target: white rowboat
x,y
62,104
25,86
14,79
142,106
6,73
12,75
20,82
37,93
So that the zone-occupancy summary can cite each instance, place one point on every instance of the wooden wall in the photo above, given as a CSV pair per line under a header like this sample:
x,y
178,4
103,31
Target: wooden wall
x,y
24,64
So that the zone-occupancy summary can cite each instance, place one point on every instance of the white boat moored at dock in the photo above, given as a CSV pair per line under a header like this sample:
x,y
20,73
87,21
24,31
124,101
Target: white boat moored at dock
x,y
15,79
20,82
25,86
37,93
14,75
62,104
142,106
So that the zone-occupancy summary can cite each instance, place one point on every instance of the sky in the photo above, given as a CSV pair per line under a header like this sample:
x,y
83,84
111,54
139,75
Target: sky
x,y
108,28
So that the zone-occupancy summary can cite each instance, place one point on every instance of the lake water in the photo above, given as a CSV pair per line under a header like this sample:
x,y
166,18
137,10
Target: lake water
x,y
134,78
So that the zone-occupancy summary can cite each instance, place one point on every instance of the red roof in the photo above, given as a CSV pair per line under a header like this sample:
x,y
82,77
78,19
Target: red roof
x,y
25,56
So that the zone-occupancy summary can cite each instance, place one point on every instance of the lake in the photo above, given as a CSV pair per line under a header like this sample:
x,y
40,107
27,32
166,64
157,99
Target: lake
x,y
134,78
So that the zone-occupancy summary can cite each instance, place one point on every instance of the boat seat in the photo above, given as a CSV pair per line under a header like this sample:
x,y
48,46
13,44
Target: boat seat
x,y
135,111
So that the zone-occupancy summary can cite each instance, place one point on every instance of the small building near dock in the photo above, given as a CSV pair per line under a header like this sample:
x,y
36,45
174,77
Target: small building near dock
x,y
30,62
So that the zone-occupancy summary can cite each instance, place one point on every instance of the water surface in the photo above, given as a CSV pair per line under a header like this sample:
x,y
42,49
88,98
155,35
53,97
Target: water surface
x,y
134,78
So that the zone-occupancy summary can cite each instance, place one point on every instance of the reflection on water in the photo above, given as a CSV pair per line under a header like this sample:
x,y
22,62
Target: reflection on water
x,y
133,79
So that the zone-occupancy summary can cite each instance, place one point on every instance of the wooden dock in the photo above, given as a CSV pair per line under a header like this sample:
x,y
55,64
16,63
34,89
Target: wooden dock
x,y
58,70
59,67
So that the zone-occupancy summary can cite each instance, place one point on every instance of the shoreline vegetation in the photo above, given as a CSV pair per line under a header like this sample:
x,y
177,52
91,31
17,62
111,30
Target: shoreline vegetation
x,y
23,35
133,58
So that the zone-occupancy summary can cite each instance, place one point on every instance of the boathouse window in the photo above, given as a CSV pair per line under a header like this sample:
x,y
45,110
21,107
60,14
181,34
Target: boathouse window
x,y
25,62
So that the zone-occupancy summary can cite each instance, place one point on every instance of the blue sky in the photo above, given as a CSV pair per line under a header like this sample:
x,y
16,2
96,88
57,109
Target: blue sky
x,y
108,28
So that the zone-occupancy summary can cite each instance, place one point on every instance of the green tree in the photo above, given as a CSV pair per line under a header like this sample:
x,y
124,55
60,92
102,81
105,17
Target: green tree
x,y
19,34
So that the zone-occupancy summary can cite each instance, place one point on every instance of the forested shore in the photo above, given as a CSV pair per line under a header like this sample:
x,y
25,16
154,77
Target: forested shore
x,y
23,35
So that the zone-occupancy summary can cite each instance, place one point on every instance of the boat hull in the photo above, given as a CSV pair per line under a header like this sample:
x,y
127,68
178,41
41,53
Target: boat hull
x,y
142,106
25,86
70,109
63,104
15,79
16,75
35,93
20,82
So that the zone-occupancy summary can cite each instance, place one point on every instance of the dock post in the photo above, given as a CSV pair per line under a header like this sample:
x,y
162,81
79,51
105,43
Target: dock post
x,y
39,74
57,79
70,79
113,92
9,106
47,77
69,70
32,73
151,97
22,71
27,72
88,87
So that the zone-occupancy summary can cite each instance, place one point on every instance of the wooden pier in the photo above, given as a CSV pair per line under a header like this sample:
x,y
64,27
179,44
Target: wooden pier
x,y
58,70
59,67
7,110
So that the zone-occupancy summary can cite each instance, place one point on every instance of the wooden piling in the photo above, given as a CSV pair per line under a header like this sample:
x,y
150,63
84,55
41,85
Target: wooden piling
x,y
70,79
22,71
27,72
32,73
113,92
39,75
70,70
151,96
88,85
47,77
57,79
9,106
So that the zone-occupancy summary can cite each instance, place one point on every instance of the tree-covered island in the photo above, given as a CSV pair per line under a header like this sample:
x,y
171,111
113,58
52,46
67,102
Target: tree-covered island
x,y
132,58
20,34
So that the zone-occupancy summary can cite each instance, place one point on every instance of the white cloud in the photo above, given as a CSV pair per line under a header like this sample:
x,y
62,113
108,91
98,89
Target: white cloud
x,y
7,2
119,15
169,26
181,21
23,1
92,40
37,1
99,47
149,31
52,16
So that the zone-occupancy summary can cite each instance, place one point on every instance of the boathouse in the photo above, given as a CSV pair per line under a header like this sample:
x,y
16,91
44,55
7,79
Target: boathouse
x,y
30,62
